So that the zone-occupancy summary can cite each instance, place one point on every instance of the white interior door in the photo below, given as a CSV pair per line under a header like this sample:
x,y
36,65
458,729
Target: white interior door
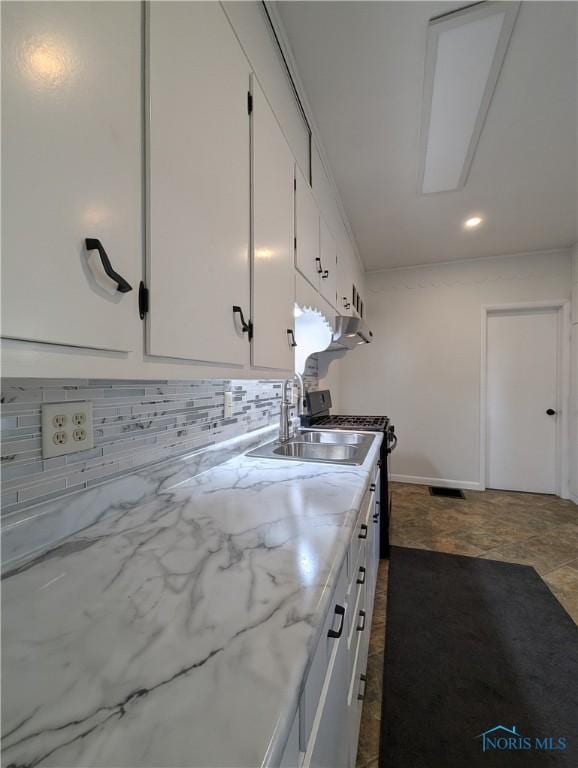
x,y
522,368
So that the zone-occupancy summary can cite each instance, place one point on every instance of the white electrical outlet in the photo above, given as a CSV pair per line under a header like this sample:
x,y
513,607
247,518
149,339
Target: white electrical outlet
x,y
66,428
228,405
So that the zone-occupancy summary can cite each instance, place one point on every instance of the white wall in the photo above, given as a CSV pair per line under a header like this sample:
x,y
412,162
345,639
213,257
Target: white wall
x,y
423,369
573,437
332,381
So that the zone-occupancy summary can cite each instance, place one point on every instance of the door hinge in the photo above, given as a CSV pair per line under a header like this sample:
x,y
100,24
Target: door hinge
x,y
143,300
249,102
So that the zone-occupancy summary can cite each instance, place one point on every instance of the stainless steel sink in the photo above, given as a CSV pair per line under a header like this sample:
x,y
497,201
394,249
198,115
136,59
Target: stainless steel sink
x,y
322,447
314,451
332,438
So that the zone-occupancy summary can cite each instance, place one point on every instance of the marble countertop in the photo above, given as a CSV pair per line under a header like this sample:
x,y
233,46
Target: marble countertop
x,y
177,631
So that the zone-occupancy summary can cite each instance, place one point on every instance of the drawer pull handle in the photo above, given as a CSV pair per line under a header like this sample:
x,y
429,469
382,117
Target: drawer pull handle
x,y
292,343
360,695
319,267
372,487
339,611
363,531
361,577
376,517
93,244
361,625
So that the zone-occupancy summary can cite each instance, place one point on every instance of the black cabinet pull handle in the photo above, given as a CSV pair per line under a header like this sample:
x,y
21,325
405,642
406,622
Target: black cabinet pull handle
x,y
339,611
319,267
93,244
361,577
293,343
360,695
363,531
372,487
245,327
361,625
376,517
325,274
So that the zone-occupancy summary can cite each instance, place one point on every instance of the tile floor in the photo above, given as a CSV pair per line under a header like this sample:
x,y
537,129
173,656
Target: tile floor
x,y
536,530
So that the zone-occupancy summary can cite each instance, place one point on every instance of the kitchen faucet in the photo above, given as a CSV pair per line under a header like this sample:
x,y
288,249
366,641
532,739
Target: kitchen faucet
x,y
285,432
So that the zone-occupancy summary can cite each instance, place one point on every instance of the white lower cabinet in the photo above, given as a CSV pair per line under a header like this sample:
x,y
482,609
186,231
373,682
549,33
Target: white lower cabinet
x,y
333,692
329,746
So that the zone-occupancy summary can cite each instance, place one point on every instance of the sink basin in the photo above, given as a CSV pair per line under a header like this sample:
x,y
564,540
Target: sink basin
x,y
313,451
332,438
323,447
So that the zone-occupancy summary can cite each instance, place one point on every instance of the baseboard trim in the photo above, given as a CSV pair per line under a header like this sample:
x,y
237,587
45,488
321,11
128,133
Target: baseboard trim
x,y
414,480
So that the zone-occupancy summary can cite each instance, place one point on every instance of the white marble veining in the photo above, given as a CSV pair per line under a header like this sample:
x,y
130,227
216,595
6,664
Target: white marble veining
x,y
36,528
177,631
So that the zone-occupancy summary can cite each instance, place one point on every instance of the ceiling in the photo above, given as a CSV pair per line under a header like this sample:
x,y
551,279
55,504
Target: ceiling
x,y
362,65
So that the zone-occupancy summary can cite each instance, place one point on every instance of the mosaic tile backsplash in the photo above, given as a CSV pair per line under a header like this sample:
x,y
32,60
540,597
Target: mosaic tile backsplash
x,y
136,423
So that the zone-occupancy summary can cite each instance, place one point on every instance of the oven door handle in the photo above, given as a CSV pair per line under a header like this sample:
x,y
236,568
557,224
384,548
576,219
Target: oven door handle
x,y
392,446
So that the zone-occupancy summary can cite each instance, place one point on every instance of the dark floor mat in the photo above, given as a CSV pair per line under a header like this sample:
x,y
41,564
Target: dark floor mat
x,y
474,645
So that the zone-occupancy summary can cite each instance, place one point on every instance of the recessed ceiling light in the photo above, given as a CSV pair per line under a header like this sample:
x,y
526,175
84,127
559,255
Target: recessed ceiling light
x,y
472,223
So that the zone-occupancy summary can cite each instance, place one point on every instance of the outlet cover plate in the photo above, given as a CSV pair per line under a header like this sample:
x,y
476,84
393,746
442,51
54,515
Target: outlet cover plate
x,y
59,423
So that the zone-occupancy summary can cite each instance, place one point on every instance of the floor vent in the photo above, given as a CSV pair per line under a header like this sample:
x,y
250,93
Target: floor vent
x,y
449,493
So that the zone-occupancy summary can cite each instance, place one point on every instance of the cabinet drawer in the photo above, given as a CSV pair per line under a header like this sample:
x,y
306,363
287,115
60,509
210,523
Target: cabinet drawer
x,y
334,621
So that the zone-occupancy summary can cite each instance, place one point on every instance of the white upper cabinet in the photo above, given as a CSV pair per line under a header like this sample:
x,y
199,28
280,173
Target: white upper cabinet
x,y
71,170
307,258
198,185
345,281
328,275
273,271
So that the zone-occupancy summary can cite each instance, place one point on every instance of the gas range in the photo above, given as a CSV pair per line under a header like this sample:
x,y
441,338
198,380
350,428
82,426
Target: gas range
x,y
319,417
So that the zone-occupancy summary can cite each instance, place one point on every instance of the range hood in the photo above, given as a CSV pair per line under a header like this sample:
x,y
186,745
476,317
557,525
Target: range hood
x,y
348,332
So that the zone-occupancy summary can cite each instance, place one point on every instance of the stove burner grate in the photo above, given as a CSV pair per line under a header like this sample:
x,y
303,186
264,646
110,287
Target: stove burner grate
x,y
375,423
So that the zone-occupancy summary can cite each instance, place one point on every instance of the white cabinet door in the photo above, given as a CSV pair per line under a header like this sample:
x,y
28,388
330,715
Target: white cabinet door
x,y
273,271
328,281
345,281
307,258
378,509
329,744
71,170
198,184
